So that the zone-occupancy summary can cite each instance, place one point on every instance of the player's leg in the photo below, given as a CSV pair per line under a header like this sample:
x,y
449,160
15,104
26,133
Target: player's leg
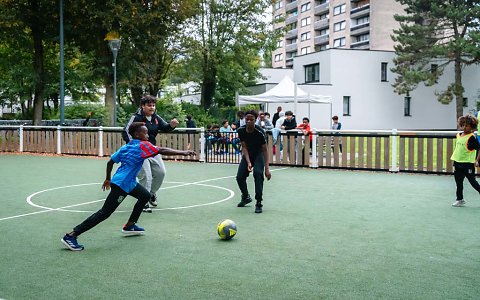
x,y
114,198
242,174
158,175
142,195
145,178
471,178
258,175
459,173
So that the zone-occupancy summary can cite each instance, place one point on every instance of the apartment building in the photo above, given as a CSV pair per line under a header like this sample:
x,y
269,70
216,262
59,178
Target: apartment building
x,y
316,25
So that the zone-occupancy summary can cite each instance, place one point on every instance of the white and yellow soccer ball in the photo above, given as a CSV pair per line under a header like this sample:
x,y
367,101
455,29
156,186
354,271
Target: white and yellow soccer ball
x,y
227,229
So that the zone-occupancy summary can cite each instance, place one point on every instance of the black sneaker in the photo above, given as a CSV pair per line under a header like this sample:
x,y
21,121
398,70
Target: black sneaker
x,y
153,200
258,208
244,201
147,208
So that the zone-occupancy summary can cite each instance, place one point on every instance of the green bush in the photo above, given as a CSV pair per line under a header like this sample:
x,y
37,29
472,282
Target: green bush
x,y
80,111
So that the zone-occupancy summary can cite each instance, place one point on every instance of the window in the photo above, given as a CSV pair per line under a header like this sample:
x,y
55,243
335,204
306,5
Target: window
x,y
279,57
279,44
305,7
362,20
339,42
306,21
362,38
346,105
324,16
278,4
339,26
339,9
406,104
291,55
465,102
312,73
323,47
305,50
291,26
383,71
322,2
278,17
305,36
324,31
433,68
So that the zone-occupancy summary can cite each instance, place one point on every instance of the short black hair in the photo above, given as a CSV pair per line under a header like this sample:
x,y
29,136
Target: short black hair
x,y
289,113
306,119
135,127
148,99
252,112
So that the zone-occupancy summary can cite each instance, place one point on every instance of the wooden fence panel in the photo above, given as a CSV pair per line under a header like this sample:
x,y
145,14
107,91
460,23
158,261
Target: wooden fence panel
x,y
361,152
450,146
439,162
429,155
352,151
401,156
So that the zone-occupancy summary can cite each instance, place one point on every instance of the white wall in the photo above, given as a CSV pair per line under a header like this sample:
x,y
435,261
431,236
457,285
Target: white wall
x,y
374,104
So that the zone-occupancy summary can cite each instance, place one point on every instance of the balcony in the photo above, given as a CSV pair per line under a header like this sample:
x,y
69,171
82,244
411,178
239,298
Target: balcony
x,y
289,62
360,11
321,39
291,34
360,45
321,24
291,47
291,6
360,29
291,19
322,8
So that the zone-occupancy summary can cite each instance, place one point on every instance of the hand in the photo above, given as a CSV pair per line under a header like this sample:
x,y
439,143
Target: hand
x,y
173,123
106,184
268,174
189,153
250,167
476,164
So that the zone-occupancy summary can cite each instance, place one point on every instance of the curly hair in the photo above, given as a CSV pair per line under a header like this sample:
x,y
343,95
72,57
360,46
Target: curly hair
x,y
135,127
468,120
252,112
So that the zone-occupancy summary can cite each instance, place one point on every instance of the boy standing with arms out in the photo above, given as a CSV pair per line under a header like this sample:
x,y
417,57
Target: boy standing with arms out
x,y
254,158
465,157
123,183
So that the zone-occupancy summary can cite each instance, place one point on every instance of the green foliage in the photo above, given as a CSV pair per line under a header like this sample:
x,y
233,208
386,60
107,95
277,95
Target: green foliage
x,y
436,32
80,111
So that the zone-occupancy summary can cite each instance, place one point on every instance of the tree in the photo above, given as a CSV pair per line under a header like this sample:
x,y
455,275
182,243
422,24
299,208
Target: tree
x,y
224,41
444,31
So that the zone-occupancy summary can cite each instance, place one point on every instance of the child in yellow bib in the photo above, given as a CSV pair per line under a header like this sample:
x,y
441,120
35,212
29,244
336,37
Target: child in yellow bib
x,y
465,156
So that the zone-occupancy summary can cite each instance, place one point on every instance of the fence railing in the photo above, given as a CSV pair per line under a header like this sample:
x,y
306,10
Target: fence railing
x,y
381,150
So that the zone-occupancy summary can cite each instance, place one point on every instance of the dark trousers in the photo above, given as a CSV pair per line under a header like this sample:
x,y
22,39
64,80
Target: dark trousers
x,y
463,170
258,163
114,198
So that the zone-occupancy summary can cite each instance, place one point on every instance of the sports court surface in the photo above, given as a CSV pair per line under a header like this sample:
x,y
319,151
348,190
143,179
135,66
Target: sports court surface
x,y
324,234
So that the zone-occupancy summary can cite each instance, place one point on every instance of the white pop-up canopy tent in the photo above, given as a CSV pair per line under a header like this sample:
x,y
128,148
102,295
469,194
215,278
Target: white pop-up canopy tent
x,y
286,91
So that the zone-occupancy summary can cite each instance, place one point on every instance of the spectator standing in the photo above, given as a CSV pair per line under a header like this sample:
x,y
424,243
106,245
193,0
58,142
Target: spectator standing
x,y
276,116
337,126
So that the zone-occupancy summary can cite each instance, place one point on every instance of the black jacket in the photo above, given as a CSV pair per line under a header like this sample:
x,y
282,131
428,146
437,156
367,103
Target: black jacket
x,y
154,126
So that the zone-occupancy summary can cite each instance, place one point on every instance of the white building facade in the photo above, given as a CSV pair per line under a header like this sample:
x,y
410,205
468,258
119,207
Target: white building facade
x,y
360,83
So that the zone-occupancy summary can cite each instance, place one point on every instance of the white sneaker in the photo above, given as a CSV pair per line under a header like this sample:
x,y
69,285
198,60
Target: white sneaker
x,y
147,208
153,200
458,203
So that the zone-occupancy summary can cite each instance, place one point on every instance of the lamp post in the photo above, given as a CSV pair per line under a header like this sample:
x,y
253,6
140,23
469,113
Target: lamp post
x,y
115,47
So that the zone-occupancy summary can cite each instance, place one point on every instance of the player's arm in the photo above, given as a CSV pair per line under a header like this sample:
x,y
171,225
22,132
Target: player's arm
x,y
246,155
170,151
473,144
267,163
108,175
163,126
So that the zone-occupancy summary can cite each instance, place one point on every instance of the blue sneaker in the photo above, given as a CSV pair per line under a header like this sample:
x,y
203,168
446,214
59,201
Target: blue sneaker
x,y
71,243
133,230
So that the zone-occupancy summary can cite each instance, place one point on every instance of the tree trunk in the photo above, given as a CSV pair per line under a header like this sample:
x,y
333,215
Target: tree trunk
x,y
458,88
208,88
137,93
38,65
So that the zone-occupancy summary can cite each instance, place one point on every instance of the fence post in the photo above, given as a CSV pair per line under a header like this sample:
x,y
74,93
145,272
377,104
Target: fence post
x,y
202,145
394,167
313,161
21,138
100,141
59,139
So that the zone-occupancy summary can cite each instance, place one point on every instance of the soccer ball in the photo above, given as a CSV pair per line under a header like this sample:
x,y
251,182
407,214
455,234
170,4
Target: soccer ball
x,y
226,229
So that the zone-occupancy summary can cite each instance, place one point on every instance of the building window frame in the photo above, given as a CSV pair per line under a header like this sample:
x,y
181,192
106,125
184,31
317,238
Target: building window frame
x,y
339,9
312,73
279,57
384,72
306,21
339,26
407,106
305,36
305,7
346,106
340,42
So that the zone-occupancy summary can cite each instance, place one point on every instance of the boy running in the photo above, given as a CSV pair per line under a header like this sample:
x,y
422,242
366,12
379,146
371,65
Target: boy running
x,y
123,183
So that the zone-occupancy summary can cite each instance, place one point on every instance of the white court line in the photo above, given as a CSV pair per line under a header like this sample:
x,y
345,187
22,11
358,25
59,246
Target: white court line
x,y
89,202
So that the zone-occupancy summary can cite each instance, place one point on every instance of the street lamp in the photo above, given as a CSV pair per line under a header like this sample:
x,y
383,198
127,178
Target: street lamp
x,y
115,47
